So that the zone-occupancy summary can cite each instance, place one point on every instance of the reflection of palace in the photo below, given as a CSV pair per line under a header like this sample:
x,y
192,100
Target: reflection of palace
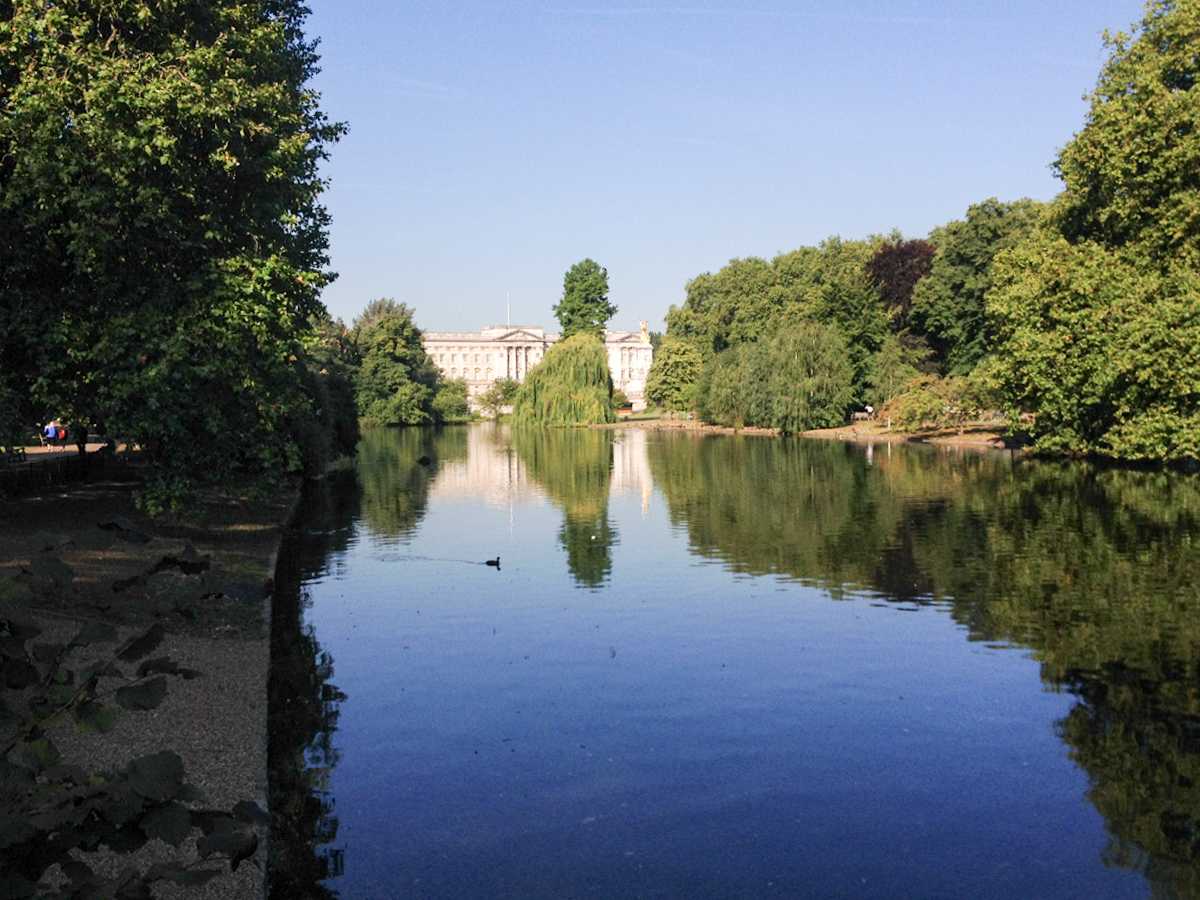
x,y
511,351
492,470
631,467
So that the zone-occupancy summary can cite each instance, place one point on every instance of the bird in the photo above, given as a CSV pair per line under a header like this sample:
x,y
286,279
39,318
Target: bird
x,y
494,562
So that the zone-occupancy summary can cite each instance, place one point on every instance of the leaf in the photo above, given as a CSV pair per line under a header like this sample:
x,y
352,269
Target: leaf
x,y
170,823
250,812
20,674
236,845
147,695
143,645
158,776
181,876
92,540
16,887
94,633
95,718
214,821
39,754
44,565
164,665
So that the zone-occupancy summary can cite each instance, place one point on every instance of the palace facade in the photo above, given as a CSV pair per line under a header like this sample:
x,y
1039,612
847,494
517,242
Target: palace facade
x,y
510,351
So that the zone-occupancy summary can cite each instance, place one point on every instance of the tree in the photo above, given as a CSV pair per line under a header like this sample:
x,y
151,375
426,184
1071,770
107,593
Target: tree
x,y
451,403
949,307
584,307
1130,175
895,269
502,393
1097,311
671,381
397,381
570,386
161,245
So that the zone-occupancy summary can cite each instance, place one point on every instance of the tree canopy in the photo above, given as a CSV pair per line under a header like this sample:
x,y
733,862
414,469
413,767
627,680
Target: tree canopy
x,y
570,386
162,249
1096,311
396,382
584,307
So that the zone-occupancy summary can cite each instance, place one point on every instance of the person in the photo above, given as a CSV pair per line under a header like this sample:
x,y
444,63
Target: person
x,y
62,436
50,434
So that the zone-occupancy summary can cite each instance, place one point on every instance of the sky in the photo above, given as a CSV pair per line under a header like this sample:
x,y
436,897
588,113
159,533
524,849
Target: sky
x,y
491,145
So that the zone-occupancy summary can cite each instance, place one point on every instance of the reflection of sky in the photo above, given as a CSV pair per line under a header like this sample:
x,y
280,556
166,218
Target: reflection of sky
x,y
682,731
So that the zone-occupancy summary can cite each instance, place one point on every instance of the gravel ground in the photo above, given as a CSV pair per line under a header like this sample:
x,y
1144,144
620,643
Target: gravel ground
x,y
217,623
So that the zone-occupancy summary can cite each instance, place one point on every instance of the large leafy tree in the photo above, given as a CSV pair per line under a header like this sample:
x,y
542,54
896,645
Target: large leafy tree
x,y
397,382
1097,311
948,307
161,245
671,381
570,386
895,268
584,307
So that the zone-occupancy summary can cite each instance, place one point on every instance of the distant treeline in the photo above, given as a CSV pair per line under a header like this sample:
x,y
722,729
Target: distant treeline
x,y
1078,319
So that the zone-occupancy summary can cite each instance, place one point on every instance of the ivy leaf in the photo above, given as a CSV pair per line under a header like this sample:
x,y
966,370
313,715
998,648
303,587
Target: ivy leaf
x,y
95,718
147,695
45,565
40,754
164,665
181,876
144,644
94,633
170,823
158,776
236,845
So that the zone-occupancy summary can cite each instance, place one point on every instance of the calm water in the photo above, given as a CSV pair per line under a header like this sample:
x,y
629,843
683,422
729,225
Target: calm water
x,y
715,667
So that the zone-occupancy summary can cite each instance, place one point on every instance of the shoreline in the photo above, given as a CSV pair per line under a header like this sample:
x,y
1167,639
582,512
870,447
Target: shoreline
x,y
981,435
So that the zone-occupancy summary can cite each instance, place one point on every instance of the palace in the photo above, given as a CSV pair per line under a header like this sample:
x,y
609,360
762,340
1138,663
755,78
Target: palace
x,y
510,351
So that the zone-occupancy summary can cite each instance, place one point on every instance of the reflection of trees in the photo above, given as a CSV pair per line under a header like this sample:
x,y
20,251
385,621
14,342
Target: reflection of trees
x,y
574,466
396,466
1096,569
303,704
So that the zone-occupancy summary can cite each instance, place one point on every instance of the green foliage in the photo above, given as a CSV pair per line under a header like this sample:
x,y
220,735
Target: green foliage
x,y
673,376
396,381
450,404
1131,173
1096,312
891,367
55,814
502,393
750,298
396,468
161,245
1100,348
621,401
796,380
932,401
571,386
948,307
584,307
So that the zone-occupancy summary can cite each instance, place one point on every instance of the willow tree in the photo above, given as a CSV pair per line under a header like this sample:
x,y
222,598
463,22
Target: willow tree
x,y
571,386
162,249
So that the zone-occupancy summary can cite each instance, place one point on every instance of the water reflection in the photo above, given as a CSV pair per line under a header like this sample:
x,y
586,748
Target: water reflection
x,y
396,467
574,466
1094,569
303,702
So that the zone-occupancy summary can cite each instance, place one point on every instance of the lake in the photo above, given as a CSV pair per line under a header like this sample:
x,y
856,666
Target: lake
x,y
734,667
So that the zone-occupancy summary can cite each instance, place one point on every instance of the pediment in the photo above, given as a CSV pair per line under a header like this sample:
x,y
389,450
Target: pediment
x,y
518,334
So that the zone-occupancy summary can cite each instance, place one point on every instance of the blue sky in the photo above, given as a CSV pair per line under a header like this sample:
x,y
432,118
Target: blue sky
x,y
493,145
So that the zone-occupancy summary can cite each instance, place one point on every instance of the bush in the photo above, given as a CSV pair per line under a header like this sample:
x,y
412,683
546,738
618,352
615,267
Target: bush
x,y
571,386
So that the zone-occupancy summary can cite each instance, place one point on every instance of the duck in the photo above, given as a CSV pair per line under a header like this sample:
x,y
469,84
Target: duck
x,y
494,562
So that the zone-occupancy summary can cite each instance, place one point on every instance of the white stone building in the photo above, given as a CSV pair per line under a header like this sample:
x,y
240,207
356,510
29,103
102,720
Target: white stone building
x,y
510,351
